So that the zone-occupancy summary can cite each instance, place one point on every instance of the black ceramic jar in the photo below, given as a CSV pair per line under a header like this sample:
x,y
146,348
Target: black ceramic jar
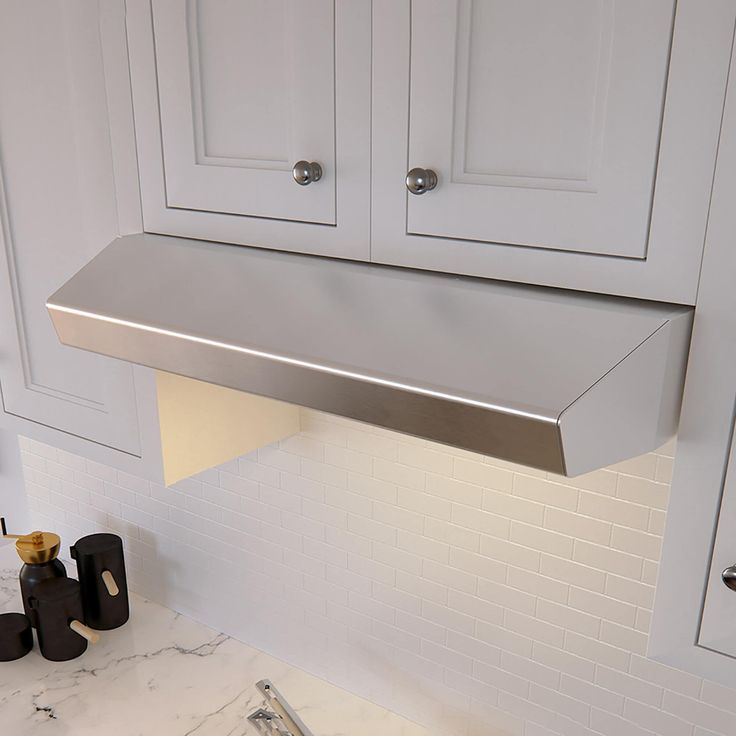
x,y
101,571
57,603
16,636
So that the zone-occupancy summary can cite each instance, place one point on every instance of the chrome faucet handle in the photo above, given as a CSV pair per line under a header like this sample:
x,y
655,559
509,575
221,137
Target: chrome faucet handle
x,y
269,723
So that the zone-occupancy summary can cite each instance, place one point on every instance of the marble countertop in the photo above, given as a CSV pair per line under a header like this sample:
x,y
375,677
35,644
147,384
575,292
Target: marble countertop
x,y
167,675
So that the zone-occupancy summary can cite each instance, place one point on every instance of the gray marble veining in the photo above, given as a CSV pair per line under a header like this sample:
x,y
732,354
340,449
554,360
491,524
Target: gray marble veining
x,y
163,674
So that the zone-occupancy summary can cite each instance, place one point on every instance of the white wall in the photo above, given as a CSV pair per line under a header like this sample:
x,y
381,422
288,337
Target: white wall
x,y
13,502
474,596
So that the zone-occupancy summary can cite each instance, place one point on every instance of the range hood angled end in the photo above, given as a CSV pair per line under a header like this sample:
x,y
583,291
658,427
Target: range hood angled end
x,y
566,382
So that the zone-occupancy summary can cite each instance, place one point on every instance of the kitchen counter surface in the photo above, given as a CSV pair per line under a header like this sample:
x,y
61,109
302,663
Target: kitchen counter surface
x,y
167,675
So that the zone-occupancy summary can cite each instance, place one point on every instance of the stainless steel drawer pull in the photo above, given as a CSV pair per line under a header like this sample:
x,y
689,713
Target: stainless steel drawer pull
x,y
305,172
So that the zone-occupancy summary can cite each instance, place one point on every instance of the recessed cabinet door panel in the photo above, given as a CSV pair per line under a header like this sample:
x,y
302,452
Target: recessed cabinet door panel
x,y
58,209
246,89
541,118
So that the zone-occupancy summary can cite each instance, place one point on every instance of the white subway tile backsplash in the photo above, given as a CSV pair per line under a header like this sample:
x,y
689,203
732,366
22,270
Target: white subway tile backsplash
x,y
483,475
453,534
614,510
597,651
513,507
454,490
397,558
536,584
480,565
649,572
507,596
423,503
630,591
610,724
425,459
535,628
592,694
625,637
602,606
479,608
575,525
656,720
543,540
642,491
636,542
545,492
399,518
669,678
695,711
629,686
476,595
504,639
608,560
373,488
575,573
563,661
568,618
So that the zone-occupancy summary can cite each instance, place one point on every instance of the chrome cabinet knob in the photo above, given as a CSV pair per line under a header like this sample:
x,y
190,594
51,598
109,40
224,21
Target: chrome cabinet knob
x,y
419,181
305,172
729,577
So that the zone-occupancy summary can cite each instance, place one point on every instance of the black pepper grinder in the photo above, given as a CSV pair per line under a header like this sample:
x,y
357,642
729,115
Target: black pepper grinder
x,y
38,550
101,571
57,603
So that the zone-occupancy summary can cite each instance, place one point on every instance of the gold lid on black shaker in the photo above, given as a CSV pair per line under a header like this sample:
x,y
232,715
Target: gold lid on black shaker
x,y
35,548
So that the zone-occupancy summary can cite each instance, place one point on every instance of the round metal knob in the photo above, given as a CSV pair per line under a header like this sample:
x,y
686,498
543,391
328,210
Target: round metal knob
x,y
419,181
729,577
305,172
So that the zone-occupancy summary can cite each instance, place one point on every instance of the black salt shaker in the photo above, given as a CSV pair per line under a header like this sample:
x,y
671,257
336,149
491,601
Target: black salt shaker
x,y
57,603
101,571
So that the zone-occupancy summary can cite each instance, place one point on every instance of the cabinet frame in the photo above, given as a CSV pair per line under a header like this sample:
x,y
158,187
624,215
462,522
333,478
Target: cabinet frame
x,y
703,36
704,439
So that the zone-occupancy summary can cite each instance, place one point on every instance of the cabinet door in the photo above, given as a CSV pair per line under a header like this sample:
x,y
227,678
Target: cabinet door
x,y
544,122
542,119
229,96
240,105
58,209
718,625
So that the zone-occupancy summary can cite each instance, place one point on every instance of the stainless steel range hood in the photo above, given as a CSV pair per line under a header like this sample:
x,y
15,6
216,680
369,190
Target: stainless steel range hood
x,y
562,381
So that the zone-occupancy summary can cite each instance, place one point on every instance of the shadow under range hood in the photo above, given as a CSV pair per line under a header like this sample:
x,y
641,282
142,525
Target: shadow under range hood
x,y
562,381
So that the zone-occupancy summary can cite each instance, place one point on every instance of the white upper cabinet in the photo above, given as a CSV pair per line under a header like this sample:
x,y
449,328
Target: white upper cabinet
x,y
573,141
229,96
58,209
